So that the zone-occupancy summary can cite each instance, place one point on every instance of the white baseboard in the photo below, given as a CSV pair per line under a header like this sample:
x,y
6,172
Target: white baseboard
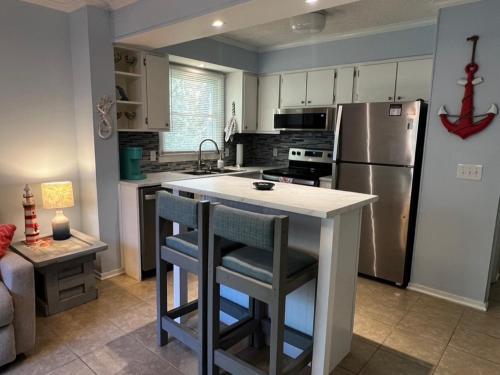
x,y
478,305
109,274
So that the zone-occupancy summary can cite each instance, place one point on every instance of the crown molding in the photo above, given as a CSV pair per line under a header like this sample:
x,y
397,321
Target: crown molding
x,y
72,5
452,3
234,43
356,34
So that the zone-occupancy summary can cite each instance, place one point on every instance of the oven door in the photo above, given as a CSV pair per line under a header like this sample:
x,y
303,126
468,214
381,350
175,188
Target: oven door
x,y
304,119
290,180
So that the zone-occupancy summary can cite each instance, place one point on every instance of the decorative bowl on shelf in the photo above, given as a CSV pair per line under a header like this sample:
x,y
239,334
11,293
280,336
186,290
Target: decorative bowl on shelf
x,y
259,185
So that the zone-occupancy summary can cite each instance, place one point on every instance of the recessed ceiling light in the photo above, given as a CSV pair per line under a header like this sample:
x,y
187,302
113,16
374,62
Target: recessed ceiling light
x,y
311,1
201,66
217,23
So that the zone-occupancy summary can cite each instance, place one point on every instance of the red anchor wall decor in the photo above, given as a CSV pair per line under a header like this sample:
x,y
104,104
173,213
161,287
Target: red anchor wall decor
x,y
465,126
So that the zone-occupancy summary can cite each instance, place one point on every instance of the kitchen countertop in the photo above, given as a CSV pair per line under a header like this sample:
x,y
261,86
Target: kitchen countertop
x,y
155,179
323,203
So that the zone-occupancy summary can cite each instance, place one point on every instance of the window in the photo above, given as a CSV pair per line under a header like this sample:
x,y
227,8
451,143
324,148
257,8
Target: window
x,y
196,110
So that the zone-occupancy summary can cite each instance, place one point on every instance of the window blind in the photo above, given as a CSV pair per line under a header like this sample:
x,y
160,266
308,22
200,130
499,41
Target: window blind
x,y
196,110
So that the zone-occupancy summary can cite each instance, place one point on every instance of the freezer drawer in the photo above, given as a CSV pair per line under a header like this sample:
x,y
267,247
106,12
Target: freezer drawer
x,y
378,133
384,230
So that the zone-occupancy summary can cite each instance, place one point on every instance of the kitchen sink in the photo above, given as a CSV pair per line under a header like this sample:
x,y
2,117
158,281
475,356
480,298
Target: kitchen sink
x,y
204,172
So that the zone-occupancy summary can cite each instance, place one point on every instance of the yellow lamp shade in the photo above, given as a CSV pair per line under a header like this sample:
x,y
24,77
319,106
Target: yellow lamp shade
x,y
57,195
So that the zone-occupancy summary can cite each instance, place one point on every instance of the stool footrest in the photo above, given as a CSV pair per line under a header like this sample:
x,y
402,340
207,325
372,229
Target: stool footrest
x,y
182,310
234,365
238,331
297,364
292,336
181,332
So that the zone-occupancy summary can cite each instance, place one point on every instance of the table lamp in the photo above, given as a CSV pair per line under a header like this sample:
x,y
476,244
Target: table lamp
x,y
58,195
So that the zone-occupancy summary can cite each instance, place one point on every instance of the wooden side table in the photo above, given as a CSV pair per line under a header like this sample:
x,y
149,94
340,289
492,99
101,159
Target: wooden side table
x,y
64,270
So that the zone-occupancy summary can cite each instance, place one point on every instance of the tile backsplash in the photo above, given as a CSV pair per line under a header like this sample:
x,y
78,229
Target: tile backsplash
x,y
257,148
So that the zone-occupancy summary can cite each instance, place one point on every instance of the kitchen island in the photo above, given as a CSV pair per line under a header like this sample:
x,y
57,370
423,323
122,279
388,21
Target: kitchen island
x,y
322,222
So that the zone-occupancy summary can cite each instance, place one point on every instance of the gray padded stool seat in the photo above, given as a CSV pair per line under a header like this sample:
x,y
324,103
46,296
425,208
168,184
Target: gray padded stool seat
x,y
258,263
187,243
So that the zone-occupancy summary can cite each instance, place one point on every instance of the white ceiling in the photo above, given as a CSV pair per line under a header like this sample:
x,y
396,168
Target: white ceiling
x,y
353,19
72,5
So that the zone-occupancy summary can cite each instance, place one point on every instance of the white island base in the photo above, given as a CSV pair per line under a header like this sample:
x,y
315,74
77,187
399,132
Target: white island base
x,y
323,222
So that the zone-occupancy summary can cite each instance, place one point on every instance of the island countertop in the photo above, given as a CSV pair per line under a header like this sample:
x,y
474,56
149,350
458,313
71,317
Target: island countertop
x,y
317,202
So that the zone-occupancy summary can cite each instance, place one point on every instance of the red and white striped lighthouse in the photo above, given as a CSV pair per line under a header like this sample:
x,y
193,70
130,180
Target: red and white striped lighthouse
x,y
31,227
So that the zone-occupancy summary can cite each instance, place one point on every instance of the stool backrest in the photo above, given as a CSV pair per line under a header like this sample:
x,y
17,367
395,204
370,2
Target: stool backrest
x,y
248,228
181,210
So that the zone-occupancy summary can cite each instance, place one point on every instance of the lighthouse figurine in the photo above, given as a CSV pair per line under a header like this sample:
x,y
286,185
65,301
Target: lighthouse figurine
x,y
31,227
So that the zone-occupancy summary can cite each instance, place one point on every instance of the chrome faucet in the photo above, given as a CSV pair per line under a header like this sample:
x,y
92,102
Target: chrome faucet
x,y
199,150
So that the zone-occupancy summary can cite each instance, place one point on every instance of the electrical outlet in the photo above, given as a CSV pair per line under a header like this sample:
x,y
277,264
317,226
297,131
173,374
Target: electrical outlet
x,y
470,172
275,152
152,155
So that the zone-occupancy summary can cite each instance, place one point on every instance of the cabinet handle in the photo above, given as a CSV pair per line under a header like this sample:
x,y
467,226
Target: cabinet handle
x,y
400,97
390,97
308,102
302,102
149,197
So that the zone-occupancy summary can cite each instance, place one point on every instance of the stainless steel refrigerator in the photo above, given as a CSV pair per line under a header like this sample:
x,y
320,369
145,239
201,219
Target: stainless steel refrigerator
x,y
378,150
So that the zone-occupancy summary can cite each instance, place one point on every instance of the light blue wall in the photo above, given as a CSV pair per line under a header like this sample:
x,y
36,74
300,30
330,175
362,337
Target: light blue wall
x,y
215,52
405,43
147,15
457,217
397,44
37,136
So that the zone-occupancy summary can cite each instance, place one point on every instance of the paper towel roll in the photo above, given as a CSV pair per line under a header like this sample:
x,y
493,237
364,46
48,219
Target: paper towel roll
x,y
239,154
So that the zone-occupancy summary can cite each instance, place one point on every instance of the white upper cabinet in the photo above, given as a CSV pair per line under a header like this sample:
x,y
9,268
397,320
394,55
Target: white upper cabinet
x,y
345,85
293,89
250,85
157,92
269,101
241,89
414,80
375,83
320,87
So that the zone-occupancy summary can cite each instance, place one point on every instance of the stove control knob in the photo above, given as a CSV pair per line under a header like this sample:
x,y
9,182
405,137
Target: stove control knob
x,y
330,155
293,152
298,152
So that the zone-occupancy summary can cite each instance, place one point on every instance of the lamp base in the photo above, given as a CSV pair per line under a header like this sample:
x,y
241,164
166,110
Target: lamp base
x,y
60,227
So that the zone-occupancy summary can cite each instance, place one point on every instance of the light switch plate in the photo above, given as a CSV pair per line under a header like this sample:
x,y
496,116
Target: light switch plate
x,y
470,172
275,152
152,155
226,152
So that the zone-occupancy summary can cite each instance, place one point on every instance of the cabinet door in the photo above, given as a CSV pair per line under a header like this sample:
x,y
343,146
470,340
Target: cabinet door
x,y
345,85
269,101
320,86
293,89
376,83
250,103
414,80
157,92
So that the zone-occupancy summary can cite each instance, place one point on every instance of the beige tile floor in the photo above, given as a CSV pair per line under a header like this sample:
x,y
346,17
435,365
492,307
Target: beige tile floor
x,y
396,332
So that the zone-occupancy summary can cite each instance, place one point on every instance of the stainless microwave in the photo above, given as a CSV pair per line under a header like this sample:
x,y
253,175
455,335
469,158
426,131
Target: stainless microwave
x,y
304,119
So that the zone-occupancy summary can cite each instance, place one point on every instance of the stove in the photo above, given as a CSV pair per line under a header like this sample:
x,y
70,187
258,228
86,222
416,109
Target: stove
x,y
305,167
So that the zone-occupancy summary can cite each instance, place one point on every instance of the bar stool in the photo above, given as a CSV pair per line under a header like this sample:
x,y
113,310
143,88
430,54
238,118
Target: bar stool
x,y
266,269
189,251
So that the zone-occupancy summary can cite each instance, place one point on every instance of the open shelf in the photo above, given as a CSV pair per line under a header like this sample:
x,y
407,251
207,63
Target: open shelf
x,y
127,74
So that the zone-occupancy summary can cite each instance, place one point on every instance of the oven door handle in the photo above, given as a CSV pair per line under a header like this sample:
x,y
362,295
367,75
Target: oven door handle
x,y
269,177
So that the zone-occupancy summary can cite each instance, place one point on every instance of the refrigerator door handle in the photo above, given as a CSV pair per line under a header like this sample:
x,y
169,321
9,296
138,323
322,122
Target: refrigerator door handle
x,y
337,134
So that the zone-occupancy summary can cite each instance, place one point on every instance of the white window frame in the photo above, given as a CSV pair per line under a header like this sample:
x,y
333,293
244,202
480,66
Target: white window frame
x,y
193,155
